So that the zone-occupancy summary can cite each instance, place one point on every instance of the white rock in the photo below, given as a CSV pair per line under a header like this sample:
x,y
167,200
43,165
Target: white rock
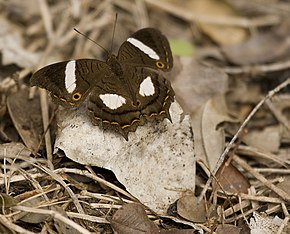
x,y
156,165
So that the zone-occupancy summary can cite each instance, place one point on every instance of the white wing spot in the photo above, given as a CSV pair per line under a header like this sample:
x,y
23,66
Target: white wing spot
x,y
147,87
141,46
112,101
70,76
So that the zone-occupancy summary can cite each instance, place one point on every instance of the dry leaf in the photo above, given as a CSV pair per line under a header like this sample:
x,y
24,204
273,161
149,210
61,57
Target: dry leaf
x,y
196,83
231,179
4,228
267,139
209,138
205,14
13,52
261,48
223,35
34,202
227,229
63,227
7,201
26,116
177,231
13,150
189,208
132,218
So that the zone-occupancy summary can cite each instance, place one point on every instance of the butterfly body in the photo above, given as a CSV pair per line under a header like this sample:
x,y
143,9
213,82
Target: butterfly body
x,y
122,93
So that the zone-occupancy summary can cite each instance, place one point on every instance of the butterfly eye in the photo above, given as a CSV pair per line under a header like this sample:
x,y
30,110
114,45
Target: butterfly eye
x,y
76,96
160,64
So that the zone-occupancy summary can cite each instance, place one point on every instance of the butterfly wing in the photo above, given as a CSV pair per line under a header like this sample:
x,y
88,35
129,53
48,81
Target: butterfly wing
x,y
147,47
122,107
69,82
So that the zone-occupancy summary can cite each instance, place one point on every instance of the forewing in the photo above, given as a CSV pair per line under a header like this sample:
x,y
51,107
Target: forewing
x,y
69,82
147,47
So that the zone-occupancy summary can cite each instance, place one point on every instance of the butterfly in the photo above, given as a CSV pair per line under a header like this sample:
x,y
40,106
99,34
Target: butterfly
x,y
121,93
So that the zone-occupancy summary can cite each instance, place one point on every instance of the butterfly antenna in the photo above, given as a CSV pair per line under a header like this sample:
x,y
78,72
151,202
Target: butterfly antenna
x,y
115,23
107,52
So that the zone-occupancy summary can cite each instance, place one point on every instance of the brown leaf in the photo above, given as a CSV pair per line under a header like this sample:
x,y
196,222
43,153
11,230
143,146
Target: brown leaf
x,y
7,201
209,138
231,179
221,34
26,116
63,227
189,208
132,218
178,231
207,11
228,228
196,83
33,217
262,48
267,139
13,150
4,228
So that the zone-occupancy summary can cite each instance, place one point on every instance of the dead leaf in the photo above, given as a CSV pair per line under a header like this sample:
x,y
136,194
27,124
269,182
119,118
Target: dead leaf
x,y
26,116
177,231
196,83
34,202
267,139
209,138
132,218
4,228
284,185
13,150
63,227
231,179
201,11
189,208
7,70
221,34
261,48
7,201
227,228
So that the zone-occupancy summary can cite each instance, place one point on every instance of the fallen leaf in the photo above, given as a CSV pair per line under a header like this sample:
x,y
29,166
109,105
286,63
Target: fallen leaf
x,y
208,136
189,208
28,217
11,45
227,228
26,116
267,139
132,218
196,83
231,179
261,48
205,14
7,201
13,150
4,228
221,34
63,227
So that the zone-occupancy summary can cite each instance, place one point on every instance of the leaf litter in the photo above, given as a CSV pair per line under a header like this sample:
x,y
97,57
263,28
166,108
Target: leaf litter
x,y
233,83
